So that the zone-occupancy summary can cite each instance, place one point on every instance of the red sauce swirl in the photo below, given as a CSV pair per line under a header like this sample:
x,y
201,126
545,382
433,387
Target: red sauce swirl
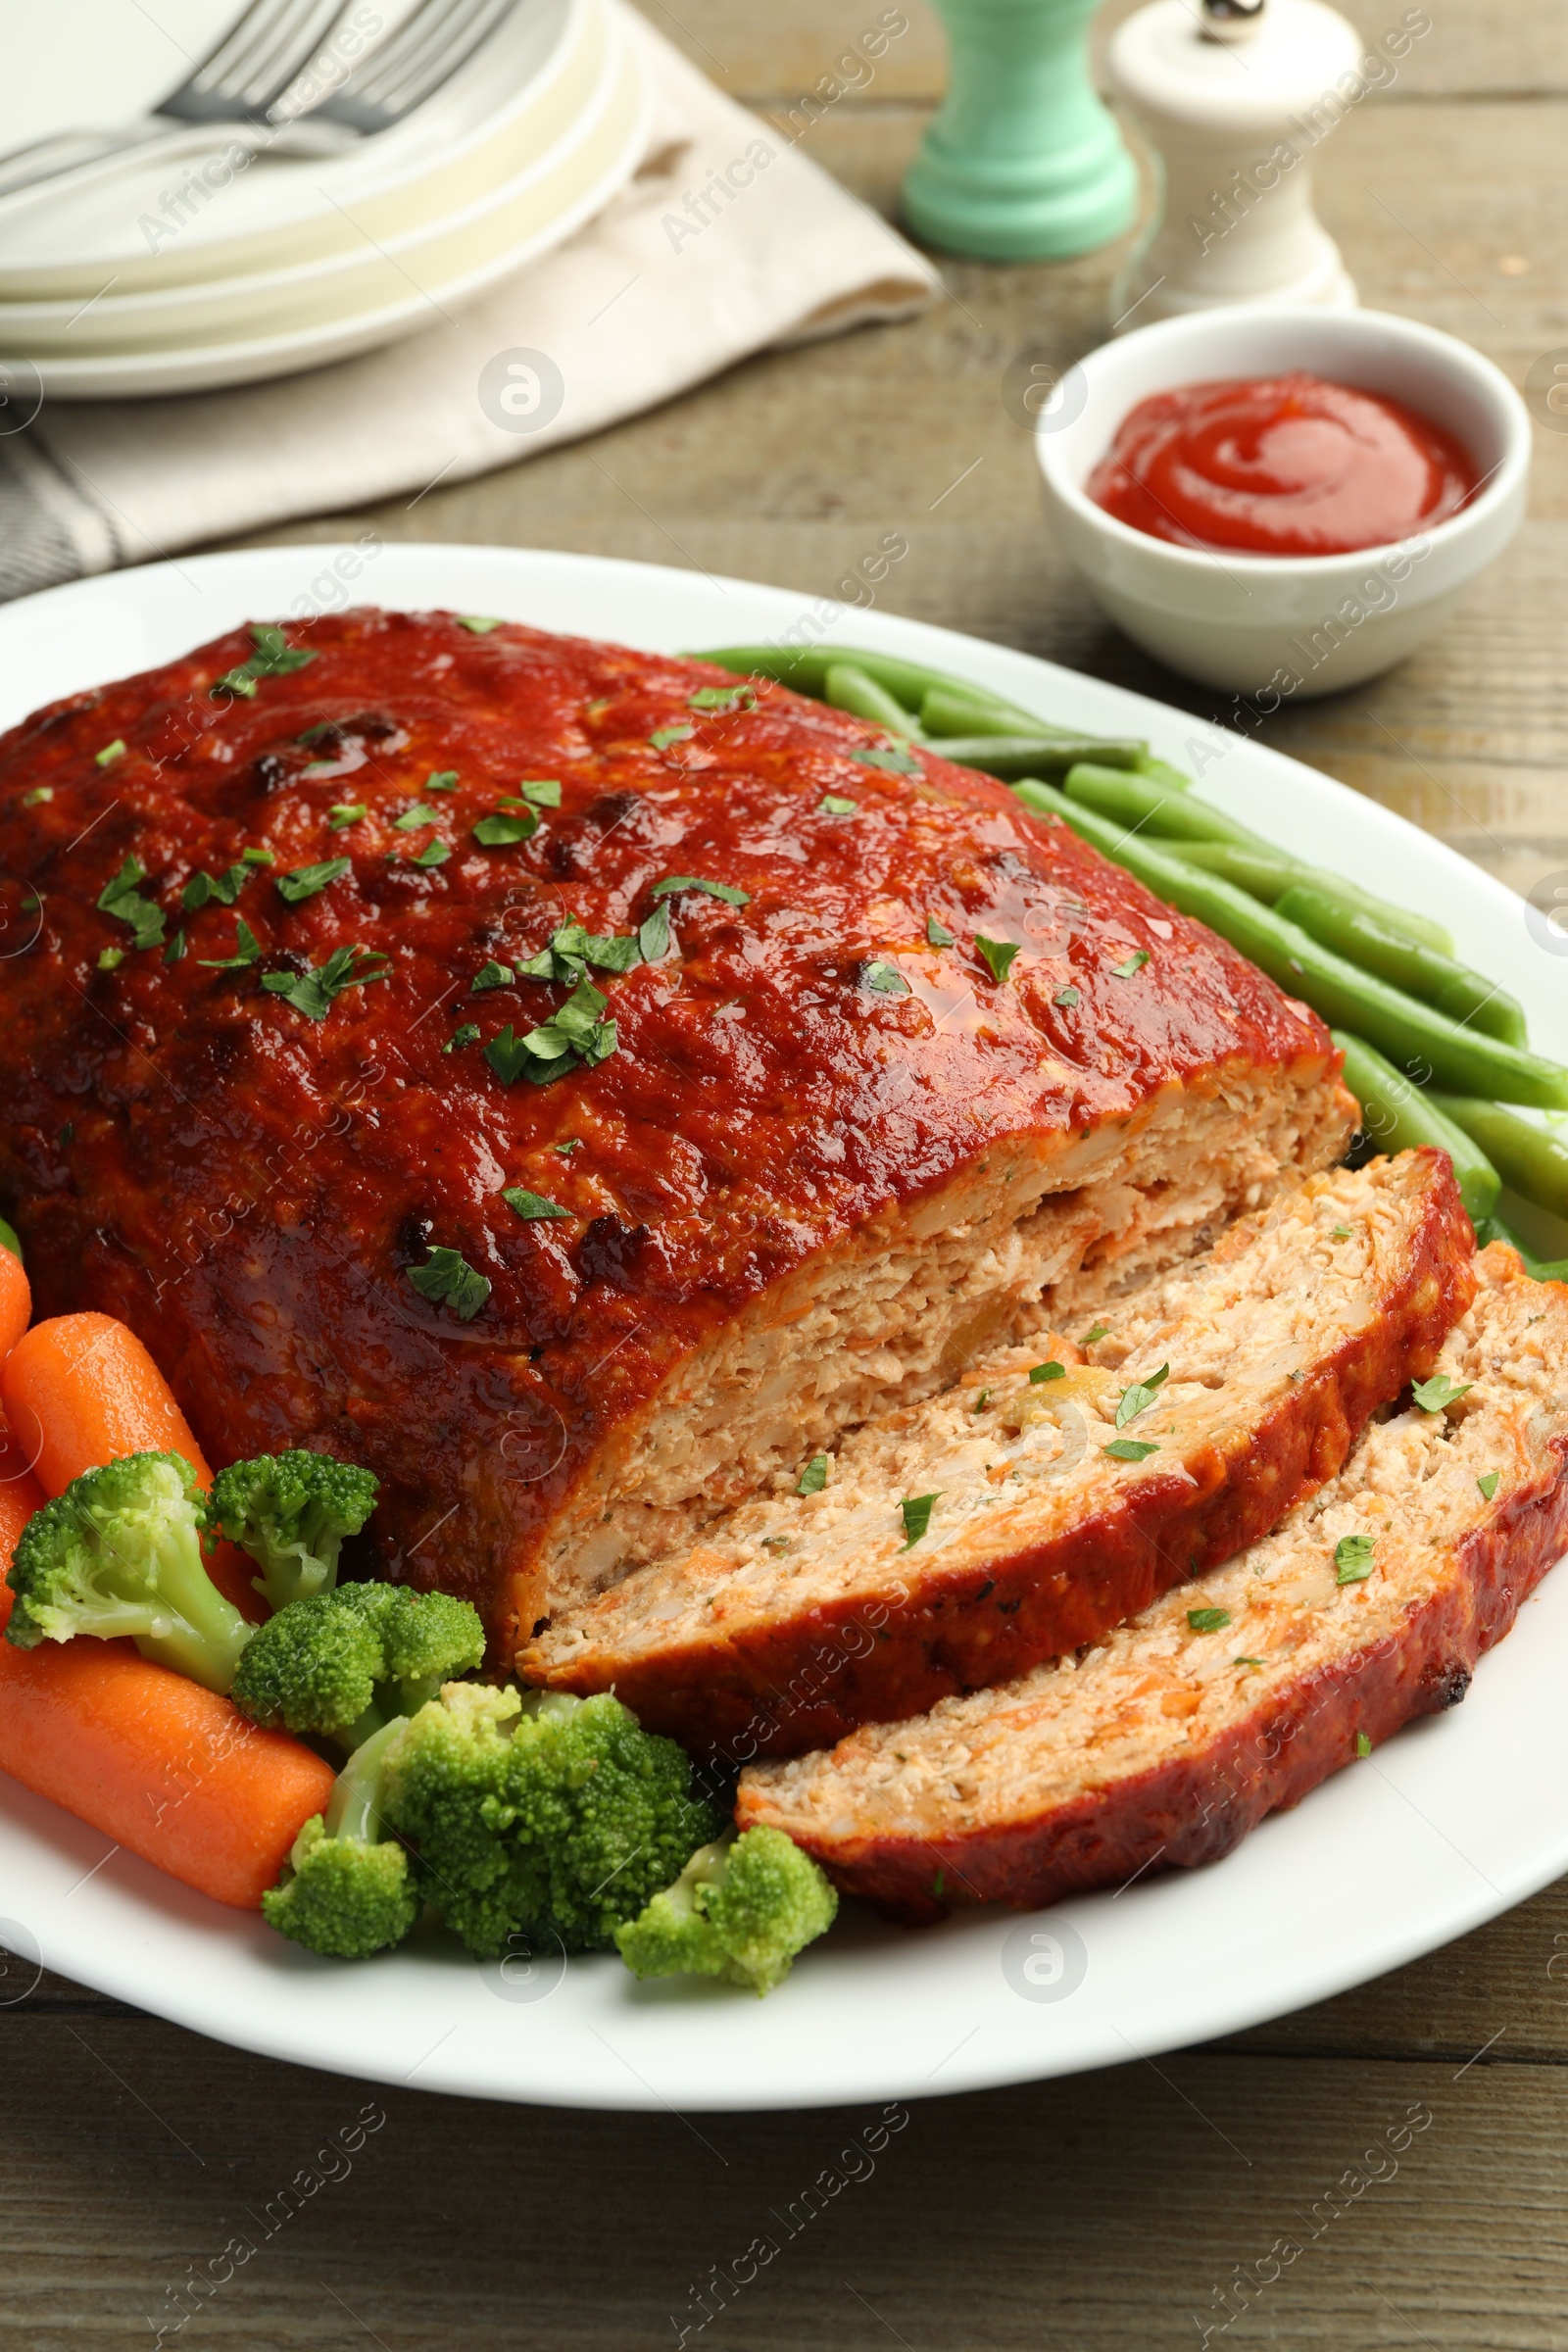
x,y
1281,465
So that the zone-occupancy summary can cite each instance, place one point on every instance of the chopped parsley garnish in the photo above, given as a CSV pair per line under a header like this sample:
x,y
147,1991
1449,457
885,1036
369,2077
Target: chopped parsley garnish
x,y
1247,1661
434,853
500,832
1439,1391
314,993
573,950
122,898
305,880
997,953
111,960
1208,1621
224,888
39,794
712,890
653,936
346,813
1139,1396
324,730
1129,1449
572,1142
885,978
248,949
1066,996
492,975
1352,1559
1363,1745
722,698
175,952
892,756
111,752
937,934
532,1205
447,1278
1134,963
1050,1371
1489,1485
479,623
982,1400
412,819
467,1035
917,1509
540,792
575,1033
441,780
273,658
663,737
1341,1233
1101,1331
833,803
814,1477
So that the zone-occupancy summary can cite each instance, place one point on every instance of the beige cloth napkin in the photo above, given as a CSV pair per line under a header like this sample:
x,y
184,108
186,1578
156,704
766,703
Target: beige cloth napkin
x,y
639,306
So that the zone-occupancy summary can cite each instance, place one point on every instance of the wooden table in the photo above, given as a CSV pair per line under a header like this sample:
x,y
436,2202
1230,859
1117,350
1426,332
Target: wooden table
x,y
1110,2212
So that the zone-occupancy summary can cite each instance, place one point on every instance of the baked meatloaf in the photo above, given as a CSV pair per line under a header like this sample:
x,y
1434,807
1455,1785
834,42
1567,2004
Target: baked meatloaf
x,y
1061,1486
1165,1743
579,1086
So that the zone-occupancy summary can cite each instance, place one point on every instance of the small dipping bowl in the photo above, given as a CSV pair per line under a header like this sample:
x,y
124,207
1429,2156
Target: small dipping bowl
x,y
1284,624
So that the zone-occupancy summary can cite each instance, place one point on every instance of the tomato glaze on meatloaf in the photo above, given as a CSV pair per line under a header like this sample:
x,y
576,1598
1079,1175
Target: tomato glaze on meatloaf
x,y
818,1160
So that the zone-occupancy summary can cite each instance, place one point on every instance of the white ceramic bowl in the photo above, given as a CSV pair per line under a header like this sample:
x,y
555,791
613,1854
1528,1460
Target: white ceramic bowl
x,y
1273,626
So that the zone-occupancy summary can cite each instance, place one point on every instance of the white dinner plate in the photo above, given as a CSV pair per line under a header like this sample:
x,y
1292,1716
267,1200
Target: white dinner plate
x,y
1460,1816
108,235
387,295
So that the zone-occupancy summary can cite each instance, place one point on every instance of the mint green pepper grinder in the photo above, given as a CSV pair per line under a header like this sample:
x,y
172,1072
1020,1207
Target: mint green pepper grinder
x,y
1022,163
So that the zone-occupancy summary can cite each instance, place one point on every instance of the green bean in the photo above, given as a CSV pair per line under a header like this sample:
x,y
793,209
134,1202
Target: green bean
x,y
1539,1269
848,687
1398,1116
8,1239
1529,1160
805,669
1162,773
1453,987
1400,1026
945,710
1138,800
994,725
1009,756
1267,873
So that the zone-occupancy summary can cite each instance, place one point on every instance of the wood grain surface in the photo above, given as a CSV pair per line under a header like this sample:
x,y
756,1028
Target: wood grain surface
x,y
1386,2169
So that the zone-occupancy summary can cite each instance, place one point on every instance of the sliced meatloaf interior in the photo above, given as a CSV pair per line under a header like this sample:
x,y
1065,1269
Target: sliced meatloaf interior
x,y
1165,1743
906,1302
1052,1492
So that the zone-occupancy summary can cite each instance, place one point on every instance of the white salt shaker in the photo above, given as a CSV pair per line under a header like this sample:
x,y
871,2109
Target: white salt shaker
x,y
1235,96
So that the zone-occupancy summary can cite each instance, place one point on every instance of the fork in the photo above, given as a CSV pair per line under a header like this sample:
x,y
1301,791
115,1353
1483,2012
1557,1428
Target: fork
x,y
282,79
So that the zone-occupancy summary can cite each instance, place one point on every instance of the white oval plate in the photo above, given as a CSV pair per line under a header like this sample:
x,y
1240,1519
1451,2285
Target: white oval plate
x,y
1448,1825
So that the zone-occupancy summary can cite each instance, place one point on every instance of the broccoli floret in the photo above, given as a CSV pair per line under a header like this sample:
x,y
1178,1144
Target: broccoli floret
x,y
340,1663
291,1511
347,1889
120,1553
549,1815
741,1909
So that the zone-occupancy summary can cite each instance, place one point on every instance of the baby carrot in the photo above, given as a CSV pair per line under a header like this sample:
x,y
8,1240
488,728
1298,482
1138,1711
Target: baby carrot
x,y
15,1302
161,1764
81,1391
20,1497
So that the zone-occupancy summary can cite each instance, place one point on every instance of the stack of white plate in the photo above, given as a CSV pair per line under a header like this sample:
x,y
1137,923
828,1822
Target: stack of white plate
x,y
172,278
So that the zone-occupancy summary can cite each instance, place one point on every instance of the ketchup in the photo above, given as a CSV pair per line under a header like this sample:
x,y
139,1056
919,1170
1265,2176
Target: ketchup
x,y
1281,465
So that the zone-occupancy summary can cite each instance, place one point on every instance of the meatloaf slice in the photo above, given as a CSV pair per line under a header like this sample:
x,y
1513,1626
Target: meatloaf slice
x,y
793,1150
1255,1369
1167,1742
